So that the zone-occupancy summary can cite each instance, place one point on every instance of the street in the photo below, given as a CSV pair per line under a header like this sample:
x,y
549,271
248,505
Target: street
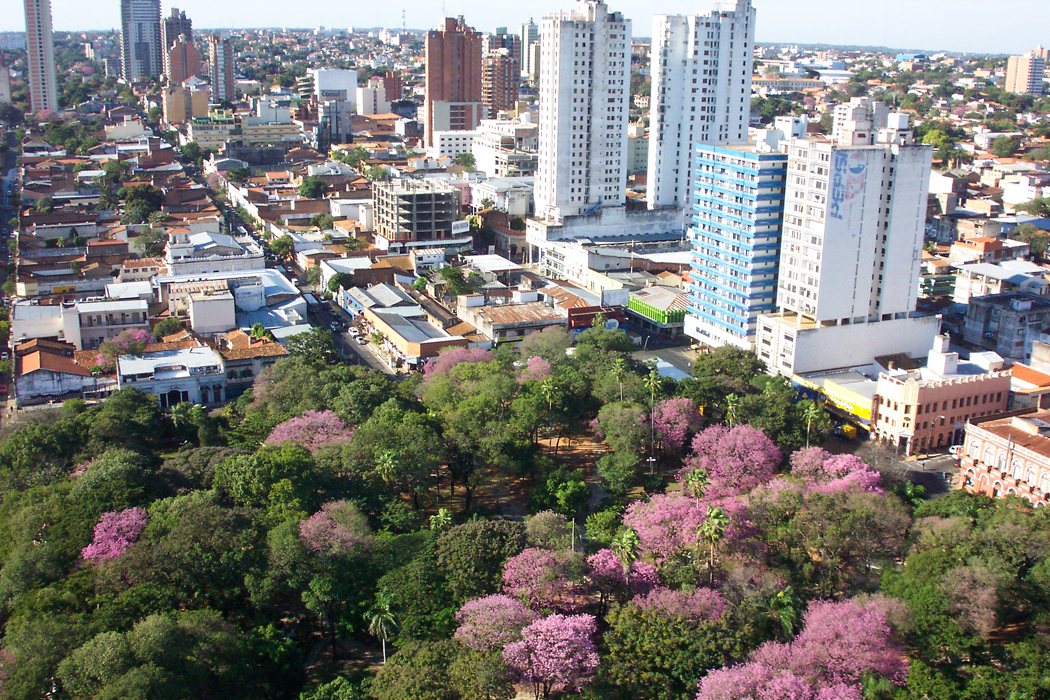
x,y
347,347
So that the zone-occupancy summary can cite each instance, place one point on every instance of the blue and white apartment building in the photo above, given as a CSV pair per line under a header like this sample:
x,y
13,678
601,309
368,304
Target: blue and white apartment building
x,y
737,212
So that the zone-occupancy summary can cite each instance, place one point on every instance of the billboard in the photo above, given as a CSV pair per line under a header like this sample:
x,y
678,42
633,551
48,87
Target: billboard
x,y
460,227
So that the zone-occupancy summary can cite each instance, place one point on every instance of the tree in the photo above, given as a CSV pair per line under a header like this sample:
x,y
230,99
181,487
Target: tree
x,y
169,326
335,529
313,276
544,578
556,654
466,160
283,247
152,243
315,345
712,530
673,420
340,280
728,361
115,533
312,430
489,624
325,221
192,152
1036,238
129,342
381,620
735,460
472,556
44,205
1005,147
312,187
1040,206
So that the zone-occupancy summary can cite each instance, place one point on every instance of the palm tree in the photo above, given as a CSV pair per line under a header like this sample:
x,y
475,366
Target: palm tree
x,y
732,409
380,619
625,547
696,484
812,413
550,394
784,608
712,531
441,520
652,381
620,372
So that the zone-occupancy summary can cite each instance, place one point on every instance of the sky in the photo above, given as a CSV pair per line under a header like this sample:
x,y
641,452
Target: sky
x,y
977,26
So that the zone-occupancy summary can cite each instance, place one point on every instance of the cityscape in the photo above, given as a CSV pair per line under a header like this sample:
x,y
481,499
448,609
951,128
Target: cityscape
x,y
572,359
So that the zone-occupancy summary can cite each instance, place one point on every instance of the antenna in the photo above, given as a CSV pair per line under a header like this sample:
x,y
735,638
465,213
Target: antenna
x,y
404,23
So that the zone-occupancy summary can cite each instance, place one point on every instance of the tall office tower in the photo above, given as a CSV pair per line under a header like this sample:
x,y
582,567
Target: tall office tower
x,y
1025,74
182,61
453,79
584,91
140,42
171,28
853,231
43,82
220,67
701,93
392,85
528,35
500,80
738,205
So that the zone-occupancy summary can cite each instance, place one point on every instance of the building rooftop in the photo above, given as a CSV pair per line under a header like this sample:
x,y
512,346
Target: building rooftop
x,y
1030,431
1015,271
382,296
514,314
112,305
663,298
170,364
493,264
413,330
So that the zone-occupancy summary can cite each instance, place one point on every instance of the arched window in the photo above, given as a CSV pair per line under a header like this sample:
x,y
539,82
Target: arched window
x,y
1030,477
989,455
975,449
1016,469
1044,483
1000,463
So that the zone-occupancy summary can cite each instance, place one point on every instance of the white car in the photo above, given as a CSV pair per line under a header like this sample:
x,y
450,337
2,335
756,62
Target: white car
x,y
954,451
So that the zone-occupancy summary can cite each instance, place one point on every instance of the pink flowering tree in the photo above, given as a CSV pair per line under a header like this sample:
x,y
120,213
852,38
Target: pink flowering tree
x,y
556,654
115,532
491,623
736,460
312,430
828,474
605,571
457,356
674,419
542,578
129,342
666,524
701,605
839,643
536,370
335,529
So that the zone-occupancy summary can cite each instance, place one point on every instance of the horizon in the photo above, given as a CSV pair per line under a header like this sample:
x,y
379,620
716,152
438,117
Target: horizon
x,y
899,24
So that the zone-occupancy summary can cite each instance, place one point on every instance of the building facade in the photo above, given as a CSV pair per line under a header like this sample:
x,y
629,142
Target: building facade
x,y
141,49
176,25
414,210
500,80
372,99
1025,74
221,69
182,61
927,409
453,77
1009,456
738,206
40,52
584,99
701,93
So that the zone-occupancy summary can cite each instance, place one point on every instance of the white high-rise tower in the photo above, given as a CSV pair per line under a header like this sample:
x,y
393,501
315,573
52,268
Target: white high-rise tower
x,y
140,41
701,93
40,52
584,91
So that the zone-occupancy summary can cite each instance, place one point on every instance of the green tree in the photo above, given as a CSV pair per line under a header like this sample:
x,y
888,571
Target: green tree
x,y
315,345
325,222
472,556
1036,238
192,152
381,620
340,280
312,187
282,247
169,326
465,159
1005,147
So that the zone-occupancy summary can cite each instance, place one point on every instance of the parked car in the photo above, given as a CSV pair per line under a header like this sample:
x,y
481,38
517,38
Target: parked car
x,y
362,340
335,326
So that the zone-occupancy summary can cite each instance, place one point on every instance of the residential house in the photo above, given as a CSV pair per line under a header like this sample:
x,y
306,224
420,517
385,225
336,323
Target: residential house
x,y
195,374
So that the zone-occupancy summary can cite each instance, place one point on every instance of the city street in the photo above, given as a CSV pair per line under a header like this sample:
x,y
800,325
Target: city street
x,y
349,349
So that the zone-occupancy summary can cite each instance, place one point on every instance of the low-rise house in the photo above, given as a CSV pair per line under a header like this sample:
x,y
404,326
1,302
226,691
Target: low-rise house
x,y
509,323
987,250
208,252
660,310
193,374
84,325
245,358
140,269
1029,388
46,371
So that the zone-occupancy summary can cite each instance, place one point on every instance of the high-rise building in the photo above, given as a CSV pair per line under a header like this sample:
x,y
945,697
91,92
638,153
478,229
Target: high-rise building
x,y
220,67
171,28
500,80
853,231
140,43
528,35
738,205
392,85
182,61
453,79
584,97
1025,74
40,50
5,81
701,93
